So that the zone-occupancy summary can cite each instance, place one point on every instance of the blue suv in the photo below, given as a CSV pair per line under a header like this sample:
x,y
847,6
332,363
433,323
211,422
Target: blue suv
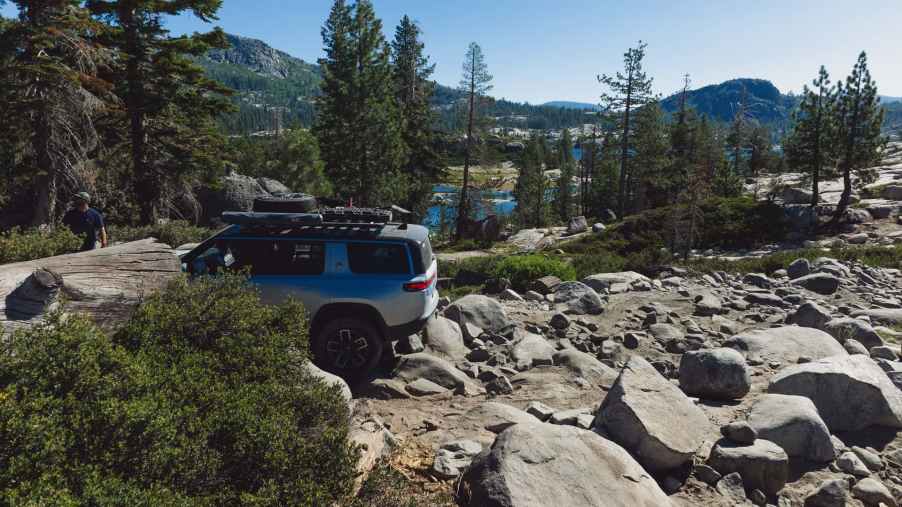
x,y
363,279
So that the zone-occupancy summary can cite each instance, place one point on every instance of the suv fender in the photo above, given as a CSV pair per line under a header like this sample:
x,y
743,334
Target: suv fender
x,y
341,310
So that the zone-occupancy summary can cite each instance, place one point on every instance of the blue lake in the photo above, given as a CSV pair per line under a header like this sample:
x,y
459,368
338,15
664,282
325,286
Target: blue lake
x,y
502,202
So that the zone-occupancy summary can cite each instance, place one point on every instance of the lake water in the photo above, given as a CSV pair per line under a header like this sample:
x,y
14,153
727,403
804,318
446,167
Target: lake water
x,y
502,202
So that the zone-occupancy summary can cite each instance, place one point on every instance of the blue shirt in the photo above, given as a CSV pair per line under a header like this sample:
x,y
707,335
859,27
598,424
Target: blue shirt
x,y
86,224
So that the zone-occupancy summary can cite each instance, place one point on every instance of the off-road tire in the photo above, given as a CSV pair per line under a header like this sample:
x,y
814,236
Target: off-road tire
x,y
347,347
291,203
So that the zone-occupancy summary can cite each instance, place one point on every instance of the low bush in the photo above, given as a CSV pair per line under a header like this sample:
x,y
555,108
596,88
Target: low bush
x,y
17,245
521,270
200,399
174,233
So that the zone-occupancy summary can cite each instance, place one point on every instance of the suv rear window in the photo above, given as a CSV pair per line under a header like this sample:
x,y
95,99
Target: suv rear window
x,y
378,258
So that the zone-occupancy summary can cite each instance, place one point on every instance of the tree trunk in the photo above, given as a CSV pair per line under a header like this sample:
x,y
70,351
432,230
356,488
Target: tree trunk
x,y
463,206
45,209
146,184
624,148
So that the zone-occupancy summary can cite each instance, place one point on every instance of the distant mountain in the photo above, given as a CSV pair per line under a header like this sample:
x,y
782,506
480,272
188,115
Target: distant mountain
x,y
719,102
566,104
275,88
884,99
272,86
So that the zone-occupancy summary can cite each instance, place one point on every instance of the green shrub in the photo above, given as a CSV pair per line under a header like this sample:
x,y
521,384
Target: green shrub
x,y
200,399
521,270
472,267
174,233
18,246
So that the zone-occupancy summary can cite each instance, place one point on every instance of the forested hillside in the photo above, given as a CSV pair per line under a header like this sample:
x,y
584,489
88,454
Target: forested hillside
x,y
275,89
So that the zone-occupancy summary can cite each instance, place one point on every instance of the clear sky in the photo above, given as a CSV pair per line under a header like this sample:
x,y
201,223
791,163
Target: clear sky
x,y
540,50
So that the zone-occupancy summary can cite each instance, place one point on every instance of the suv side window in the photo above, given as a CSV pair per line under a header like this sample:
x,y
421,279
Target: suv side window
x,y
279,257
378,258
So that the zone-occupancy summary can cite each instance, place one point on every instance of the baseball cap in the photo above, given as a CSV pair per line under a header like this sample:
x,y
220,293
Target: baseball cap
x,y
82,196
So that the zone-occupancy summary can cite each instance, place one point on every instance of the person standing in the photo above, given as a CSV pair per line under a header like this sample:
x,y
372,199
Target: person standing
x,y
85,221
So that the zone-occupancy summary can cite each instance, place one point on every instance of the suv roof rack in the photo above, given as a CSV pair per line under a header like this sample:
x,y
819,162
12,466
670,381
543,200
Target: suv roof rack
x,y
335,220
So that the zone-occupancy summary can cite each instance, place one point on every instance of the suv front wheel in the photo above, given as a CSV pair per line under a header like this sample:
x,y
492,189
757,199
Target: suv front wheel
x,y
348,347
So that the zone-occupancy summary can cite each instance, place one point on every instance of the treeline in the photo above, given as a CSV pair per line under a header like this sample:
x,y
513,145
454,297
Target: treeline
x,y
636,160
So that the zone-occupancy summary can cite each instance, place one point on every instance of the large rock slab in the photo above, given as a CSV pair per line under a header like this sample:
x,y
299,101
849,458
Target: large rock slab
x,y
719,374
850,392
763,465
543,464
444,338
786,344
792,422
648,415
578,298
480,311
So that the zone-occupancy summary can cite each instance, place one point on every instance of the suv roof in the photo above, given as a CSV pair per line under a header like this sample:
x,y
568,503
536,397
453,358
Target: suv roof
x,y
311,225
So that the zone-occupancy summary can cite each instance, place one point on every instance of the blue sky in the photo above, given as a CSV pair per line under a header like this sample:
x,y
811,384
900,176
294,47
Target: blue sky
x,y
552,50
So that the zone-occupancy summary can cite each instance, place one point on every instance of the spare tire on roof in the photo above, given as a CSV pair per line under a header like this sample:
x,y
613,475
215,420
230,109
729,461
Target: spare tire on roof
x,y
289,203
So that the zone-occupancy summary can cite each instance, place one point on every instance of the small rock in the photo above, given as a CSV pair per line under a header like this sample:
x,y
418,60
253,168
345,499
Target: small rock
x,y
410,345
830,493
388,389
716,374
855,347
870,459
540,410
424,387
873,492
731,488
453,458
850,463
706,474
500,385
884,352
559,321
798,268
510,295
763,465
739,432
758,497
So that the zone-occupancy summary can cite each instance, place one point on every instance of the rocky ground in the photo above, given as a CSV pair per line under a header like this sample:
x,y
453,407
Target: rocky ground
x,y
681,390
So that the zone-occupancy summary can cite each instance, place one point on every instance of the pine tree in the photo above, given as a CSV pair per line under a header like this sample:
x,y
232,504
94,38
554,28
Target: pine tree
x,y
858,119
424,166
761,157
628,90
169,102
737,137
604,187
51,95
809,147
564,199
529,190
651,175
358,123
475,82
